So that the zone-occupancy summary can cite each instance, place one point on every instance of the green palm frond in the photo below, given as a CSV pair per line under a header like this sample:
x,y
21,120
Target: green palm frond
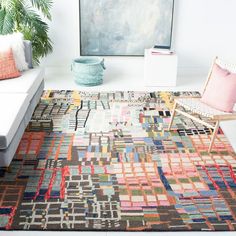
x,y
32,26
11,5
7,4
25,16
44,6
6,22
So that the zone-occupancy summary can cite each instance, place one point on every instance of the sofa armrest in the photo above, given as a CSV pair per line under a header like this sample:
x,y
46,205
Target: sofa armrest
x,y
28,53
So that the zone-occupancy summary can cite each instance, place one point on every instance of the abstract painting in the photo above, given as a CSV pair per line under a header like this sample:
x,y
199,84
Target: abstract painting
x,y
124,27
105,161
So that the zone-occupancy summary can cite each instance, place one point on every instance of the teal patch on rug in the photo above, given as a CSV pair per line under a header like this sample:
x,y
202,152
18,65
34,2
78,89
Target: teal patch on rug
x,y
105,161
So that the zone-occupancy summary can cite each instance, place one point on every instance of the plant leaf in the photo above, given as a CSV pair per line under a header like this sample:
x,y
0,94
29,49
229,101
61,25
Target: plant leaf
x,y
36,30
26,17
44,6
6,22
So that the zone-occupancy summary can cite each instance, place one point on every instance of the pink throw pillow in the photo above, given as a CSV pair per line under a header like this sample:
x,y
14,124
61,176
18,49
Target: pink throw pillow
x,y
221,90
8,68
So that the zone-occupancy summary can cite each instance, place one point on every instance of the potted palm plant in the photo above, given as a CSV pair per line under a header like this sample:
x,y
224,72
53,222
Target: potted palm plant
x,y
28,17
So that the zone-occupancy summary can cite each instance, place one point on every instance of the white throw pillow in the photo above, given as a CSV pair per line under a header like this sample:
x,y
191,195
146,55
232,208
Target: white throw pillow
x,y
15,41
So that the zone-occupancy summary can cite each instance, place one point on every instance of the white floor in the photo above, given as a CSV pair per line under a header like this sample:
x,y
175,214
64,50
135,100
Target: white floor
x,y
114,82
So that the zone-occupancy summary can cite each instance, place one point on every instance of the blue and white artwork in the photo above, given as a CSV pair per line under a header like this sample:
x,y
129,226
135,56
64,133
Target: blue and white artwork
x,y
124,27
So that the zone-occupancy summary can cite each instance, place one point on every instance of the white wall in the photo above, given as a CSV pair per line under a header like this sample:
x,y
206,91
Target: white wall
x,y
202,29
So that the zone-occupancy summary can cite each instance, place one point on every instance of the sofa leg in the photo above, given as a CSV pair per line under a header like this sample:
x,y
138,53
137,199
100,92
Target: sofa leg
x,y
214,136
172,116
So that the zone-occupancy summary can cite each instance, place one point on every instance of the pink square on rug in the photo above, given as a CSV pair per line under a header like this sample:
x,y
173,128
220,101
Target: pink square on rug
x,y
152,204
164,203
220,92
139,204
125,203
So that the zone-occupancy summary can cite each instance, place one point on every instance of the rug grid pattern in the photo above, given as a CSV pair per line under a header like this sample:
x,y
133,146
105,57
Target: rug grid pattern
x,y
105,161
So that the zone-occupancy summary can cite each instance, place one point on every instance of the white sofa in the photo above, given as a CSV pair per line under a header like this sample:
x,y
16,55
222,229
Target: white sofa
x,y
18,99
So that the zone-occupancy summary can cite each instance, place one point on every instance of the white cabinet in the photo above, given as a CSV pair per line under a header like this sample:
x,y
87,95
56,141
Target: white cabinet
x,y
160,69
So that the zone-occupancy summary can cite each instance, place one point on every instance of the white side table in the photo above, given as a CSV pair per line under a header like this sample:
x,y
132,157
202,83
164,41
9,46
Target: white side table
x,y
159,69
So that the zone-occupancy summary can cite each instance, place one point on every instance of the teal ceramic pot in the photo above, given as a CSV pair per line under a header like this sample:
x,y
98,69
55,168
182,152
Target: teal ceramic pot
x,y
88,71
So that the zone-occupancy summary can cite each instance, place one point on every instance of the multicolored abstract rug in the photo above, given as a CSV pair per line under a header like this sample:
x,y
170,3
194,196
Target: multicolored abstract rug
x,y
104,161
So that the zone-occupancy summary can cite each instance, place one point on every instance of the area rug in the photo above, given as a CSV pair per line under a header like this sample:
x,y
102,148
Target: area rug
x,y
105,161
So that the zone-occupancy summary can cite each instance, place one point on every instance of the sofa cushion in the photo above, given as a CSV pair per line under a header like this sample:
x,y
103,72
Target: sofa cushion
x,y
8,68
28,83
220,92
13,109
7,155
15,41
